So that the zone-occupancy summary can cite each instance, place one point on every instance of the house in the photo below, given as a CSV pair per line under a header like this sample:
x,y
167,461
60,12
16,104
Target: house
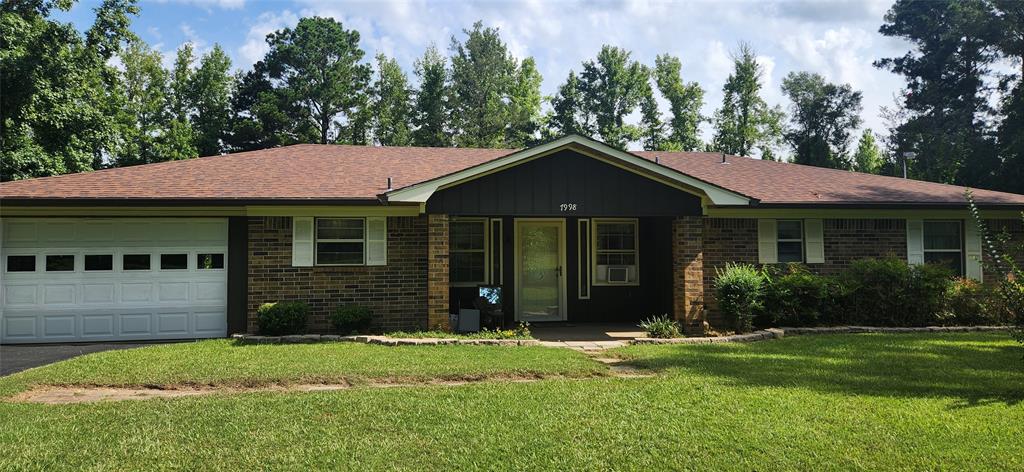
x,y
571,229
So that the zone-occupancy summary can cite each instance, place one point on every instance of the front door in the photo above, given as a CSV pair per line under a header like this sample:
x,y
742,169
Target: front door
x,y
540,269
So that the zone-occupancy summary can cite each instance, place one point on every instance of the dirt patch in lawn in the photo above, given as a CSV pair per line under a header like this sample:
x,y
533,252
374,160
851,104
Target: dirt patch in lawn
x,y
68,394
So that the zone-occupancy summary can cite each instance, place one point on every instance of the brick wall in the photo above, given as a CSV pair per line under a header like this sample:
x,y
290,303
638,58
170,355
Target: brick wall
x,y
846,240
437,272
396,292
688,267
1015,229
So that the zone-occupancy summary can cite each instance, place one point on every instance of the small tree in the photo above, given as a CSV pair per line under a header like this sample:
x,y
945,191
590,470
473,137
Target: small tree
x,y
1002,261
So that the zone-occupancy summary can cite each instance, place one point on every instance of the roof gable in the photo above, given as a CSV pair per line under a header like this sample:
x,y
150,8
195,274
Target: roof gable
x,y
421,192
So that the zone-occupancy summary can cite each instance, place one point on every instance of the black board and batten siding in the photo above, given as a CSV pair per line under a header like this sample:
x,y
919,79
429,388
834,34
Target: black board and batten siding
x,y
540,188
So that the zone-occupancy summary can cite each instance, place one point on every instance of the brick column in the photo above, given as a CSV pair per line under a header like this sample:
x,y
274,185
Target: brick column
x,y
437,272
688,272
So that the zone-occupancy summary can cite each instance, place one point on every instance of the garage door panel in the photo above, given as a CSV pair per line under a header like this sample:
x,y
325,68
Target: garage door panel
x,y
136,292
135,324
59,326
15,295
54,294
208,292
98,325
173,292
172,323
113,304
210,322
98,293
18,327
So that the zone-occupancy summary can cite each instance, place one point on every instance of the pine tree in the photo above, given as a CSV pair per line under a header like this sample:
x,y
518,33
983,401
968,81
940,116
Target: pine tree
x,y
211,87
946,97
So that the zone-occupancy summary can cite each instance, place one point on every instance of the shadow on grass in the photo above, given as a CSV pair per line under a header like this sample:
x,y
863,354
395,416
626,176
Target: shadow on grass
x,y
973,369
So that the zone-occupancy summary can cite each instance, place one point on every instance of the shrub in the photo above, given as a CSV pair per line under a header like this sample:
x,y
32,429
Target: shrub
x,y
797,297
661,327
890,292
280,318
349,319
739,289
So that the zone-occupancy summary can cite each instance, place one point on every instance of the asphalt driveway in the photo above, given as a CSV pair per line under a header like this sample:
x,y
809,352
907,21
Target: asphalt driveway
x,y
17,357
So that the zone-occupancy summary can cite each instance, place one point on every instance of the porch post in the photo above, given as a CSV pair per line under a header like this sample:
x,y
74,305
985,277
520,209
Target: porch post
x,y
437,272
688,272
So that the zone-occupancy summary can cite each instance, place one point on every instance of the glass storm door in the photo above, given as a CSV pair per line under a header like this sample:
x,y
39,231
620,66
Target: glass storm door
x,y
540,280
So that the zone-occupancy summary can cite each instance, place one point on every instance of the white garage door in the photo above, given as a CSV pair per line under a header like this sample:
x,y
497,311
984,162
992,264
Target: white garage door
x,y
90,279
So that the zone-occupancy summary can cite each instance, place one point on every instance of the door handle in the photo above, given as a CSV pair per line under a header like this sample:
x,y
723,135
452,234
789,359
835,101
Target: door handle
x,y
558,271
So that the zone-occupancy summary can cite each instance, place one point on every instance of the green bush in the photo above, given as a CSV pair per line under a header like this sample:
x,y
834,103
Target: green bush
x,y
971,303
352,319
890,292
739,289
661,327
797,297
281,318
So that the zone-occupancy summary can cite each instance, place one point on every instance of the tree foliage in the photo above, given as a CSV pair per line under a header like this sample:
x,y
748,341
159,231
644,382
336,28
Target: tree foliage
x,y
868,157
322,80
745,122
429,114
822,116
391,103
685,101
481,79
612,86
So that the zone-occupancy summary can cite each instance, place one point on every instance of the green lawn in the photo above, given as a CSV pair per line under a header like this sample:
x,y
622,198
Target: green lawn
x,y
940,401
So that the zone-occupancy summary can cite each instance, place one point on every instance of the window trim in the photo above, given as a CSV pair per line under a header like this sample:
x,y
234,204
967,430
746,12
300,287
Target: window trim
x,y
317,241
35,264
584,278
224,260
960,241
486,250
160,261
594,224
802,241
113,262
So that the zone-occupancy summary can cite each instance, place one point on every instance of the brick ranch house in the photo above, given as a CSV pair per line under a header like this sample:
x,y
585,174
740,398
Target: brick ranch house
x,y
572,230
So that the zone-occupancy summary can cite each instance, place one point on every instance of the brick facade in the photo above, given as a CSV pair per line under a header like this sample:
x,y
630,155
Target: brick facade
x,y
396,292
437,272
688,260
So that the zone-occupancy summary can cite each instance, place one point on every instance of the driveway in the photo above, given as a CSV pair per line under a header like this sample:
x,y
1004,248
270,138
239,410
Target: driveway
x,y
18,357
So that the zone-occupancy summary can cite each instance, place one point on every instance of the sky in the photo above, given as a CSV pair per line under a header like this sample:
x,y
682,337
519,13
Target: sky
x,y
838,39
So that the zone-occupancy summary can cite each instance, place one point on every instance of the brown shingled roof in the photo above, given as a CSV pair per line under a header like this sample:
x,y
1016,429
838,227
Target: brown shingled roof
x,y
341,172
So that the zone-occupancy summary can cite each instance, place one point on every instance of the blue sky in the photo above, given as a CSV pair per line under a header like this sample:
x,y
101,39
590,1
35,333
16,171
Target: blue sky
x,y
836,38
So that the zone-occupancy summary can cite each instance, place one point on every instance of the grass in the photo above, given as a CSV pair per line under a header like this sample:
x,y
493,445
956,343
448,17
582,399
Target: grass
x,y
522,332
895,402
222,362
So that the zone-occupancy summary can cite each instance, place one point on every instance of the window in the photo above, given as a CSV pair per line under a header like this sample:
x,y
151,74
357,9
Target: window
x,y
583,230
60,263
467,241
790,241
99,262
615,252
209,261
135,262
943,244
21,263
340,241
173,261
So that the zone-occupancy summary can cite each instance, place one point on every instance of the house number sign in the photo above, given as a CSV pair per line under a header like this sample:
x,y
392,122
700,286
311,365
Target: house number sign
x,y
568,207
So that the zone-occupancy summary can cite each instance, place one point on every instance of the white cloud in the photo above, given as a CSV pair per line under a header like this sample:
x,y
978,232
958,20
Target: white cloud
x,y
255,46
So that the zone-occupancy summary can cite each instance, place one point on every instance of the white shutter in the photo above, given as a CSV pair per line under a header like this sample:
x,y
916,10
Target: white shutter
x,y
302,241
972,239
815,241
767,241
915,241
376,240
